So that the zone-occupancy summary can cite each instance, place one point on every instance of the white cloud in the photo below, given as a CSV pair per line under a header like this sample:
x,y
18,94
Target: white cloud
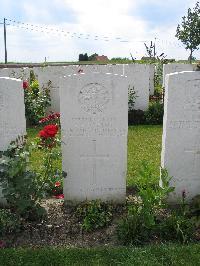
x,y
111,18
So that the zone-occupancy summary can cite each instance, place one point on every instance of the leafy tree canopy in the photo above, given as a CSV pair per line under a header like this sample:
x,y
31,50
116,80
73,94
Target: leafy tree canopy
x,y
188,32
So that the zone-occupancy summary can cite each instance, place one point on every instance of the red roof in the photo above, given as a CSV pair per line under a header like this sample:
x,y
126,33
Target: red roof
x,y
101,58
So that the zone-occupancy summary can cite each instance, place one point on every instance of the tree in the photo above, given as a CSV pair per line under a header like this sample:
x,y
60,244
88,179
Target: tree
x,y
189,30
92,57
85,57
81,57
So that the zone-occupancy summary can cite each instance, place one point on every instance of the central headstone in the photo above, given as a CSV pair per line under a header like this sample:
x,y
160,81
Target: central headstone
x,y
94,110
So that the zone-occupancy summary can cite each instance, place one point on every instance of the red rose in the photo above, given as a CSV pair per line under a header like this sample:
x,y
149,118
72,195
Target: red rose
x,y
43,134
57,184
25,84
51,130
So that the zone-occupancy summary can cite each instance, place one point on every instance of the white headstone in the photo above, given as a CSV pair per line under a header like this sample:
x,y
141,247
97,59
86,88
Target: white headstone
x,y
173,68
139,78
181,133
94,121
151,78
12,112
18,73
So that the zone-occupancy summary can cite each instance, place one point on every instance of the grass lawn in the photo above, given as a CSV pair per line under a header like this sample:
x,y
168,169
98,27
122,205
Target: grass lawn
x,y
150,255
144,143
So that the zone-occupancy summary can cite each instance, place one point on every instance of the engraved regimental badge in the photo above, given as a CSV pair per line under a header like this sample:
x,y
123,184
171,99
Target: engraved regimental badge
x,y
94,98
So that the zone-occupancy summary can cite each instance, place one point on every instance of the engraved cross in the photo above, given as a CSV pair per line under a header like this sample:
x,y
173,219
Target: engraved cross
x,y
94,156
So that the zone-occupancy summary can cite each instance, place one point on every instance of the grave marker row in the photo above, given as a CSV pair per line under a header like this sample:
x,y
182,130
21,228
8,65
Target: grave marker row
x,y
140,76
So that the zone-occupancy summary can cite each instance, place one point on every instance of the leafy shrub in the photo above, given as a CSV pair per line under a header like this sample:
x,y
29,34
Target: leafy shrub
x,y
158,75
141,219
129,229
20,186
131,98
94,214
9,222
136,117
36,100
154,114
177,227
158,90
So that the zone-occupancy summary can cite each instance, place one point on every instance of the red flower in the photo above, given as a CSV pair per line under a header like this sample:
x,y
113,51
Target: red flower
x,y
57,184
60,196
51,130
43,120
52,116
25,84
43,134
48,131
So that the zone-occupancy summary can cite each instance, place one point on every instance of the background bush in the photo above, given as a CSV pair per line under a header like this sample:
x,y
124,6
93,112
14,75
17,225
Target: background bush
x,y
154,114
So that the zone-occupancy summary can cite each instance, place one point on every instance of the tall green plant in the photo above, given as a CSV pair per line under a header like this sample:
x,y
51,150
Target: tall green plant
x,y
132,95
142,209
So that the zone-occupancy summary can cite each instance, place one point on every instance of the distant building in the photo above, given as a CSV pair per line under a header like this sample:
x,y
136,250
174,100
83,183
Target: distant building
x,y
101,58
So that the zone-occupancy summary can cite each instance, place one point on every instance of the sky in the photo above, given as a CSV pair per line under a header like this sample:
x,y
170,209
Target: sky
x,y
62,29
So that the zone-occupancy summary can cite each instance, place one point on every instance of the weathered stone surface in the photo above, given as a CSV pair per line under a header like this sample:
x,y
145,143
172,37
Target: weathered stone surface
x,y
181,133
18,73
94,109
151,78
172,68
12,119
